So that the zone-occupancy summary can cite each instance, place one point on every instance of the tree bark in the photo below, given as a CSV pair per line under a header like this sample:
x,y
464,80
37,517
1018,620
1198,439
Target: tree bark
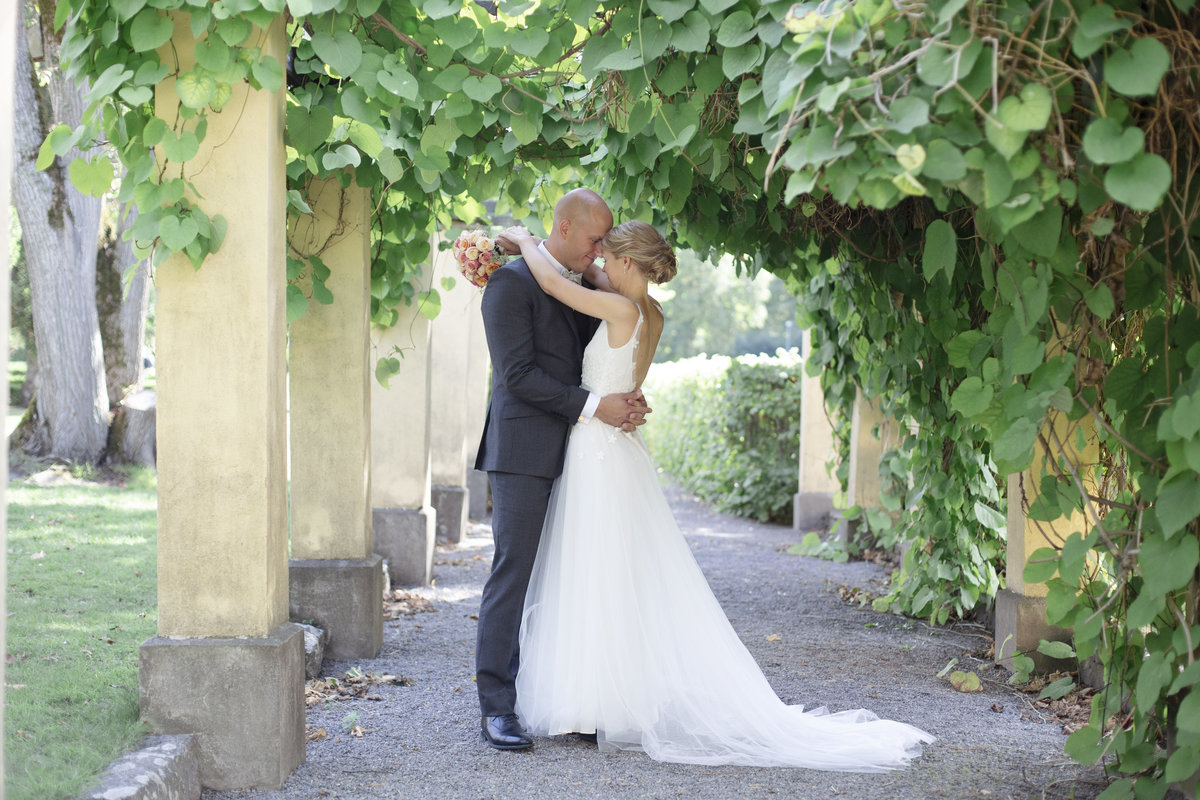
x,y
122,308
132,437
59,229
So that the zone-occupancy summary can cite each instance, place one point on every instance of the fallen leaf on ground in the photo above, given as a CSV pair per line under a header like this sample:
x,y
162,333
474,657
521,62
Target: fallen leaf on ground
x,y
965,681
399,603
351,686
774,637
315,735
999,709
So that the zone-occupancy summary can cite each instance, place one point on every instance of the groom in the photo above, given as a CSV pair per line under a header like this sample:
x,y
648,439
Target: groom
x,y
536,345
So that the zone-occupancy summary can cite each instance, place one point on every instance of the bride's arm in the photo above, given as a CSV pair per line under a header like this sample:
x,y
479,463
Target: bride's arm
x,y
597,277
600,304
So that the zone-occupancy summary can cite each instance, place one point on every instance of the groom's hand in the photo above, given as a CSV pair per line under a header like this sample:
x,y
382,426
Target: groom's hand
x,y
626,411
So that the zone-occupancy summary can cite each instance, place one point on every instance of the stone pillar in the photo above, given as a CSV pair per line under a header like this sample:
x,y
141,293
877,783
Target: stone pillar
x,y
450,393
336,581
1021,607
403,516
8,44
866,451
226,664
813,501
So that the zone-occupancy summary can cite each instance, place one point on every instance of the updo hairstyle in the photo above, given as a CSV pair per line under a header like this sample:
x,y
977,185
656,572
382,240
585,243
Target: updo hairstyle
x,y
646,247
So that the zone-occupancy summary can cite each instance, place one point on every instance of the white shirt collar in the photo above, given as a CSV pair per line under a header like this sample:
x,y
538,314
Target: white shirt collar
x,y
558,264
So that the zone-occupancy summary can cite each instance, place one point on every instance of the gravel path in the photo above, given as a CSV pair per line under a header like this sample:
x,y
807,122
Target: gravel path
x,y
422,741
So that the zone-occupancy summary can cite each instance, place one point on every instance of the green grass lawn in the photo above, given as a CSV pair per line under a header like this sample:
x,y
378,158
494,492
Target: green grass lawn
x,y
82,597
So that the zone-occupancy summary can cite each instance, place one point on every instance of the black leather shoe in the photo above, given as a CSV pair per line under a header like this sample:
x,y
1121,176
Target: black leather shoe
x,y
505,733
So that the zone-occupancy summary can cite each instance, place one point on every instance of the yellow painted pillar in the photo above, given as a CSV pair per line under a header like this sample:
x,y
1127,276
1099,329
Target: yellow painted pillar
x,y
870,433
450,393
1021,607
336,580
403,517
816,484
226,664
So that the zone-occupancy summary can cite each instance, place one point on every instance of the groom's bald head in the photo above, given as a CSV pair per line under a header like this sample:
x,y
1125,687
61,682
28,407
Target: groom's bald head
x,y
581,218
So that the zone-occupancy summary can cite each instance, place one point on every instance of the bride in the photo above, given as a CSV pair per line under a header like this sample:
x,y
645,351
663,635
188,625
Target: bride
x,y
621,635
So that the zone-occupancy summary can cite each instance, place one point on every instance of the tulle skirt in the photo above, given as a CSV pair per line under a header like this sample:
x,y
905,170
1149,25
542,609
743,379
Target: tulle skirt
x,y
622,637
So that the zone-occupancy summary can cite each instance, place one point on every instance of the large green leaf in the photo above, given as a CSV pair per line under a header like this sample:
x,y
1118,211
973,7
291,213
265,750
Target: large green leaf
x,y
308,130
737,29
691,34
1028,111
93,177
944,161
341,51
1137,71
908,113
737,61
1168,564
177,233
941,249
671,10
1178,504
195,88
1106,142
149,30
297,303
1139,183
972,396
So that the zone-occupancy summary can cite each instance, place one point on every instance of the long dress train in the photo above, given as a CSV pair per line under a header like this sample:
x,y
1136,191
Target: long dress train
x,y
623,637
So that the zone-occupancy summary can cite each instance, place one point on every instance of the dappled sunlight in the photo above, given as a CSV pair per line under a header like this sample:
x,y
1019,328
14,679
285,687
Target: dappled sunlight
x,y
448,594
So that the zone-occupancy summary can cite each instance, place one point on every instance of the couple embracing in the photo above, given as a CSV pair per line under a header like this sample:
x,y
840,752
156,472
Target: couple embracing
x,y
596,619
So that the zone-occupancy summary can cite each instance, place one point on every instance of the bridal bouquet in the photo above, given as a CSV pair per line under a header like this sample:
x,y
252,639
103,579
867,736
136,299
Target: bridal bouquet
x,y
477,256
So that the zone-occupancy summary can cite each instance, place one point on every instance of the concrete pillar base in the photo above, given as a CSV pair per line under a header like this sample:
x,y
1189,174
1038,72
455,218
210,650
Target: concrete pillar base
x,y
243,698
450,504
1020,625
344,598
840,529
477,489
405,538
811,510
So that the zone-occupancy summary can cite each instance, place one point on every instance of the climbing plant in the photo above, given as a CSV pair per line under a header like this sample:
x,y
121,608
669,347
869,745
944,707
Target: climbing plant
x,y
990,211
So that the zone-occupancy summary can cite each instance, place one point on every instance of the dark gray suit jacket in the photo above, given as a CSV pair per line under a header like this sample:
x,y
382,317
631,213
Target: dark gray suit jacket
x,y
536,344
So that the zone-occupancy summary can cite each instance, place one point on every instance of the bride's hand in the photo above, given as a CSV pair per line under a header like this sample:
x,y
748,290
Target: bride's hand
x,y
510,240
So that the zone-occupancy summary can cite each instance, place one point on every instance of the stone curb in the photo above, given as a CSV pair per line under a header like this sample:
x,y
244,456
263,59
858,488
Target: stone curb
x,y
163,768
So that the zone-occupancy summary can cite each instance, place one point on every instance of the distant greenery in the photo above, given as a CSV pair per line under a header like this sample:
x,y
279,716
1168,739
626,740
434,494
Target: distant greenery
x,y
715,309
728,429
82,591
16,380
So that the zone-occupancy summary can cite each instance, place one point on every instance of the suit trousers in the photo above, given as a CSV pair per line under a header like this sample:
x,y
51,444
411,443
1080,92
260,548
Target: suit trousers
x,y
518,512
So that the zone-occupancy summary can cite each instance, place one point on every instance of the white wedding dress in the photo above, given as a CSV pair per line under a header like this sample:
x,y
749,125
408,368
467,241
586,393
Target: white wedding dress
x,y
622,636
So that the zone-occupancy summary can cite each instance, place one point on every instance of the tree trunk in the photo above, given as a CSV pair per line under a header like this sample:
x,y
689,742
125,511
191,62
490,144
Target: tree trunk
x,y
122,309
132,437
59,229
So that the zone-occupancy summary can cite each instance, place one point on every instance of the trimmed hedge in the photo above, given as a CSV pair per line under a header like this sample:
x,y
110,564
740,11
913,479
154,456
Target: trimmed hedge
x,y
728,429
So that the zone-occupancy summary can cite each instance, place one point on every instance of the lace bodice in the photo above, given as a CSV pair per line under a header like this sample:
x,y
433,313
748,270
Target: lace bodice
x,y
610,369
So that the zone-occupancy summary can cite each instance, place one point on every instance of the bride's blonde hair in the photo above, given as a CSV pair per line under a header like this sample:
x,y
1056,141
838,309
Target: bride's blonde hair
x,y
646,247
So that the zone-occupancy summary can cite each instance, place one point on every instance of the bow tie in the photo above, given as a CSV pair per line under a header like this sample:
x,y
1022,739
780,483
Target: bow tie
x,y
573,277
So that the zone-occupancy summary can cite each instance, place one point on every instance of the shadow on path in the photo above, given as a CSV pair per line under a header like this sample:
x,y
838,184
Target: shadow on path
x,y
422,741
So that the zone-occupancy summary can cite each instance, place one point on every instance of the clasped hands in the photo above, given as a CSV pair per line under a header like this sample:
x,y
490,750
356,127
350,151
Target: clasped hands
x,y
626,410
509,239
